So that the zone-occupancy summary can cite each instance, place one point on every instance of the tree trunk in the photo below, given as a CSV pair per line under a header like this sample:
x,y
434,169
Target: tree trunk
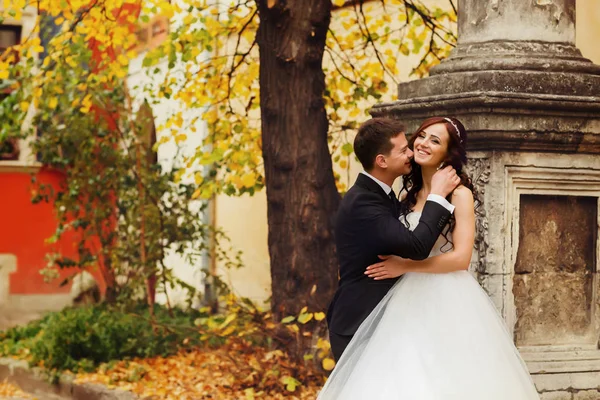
x,y
301,193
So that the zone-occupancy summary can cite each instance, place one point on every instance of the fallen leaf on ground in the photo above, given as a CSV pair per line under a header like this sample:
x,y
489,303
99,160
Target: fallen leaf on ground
x,y
10,390
235,373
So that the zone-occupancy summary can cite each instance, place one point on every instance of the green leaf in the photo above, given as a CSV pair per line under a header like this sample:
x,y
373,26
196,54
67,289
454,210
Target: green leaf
x,y
417,44
290,383
305,317
347,149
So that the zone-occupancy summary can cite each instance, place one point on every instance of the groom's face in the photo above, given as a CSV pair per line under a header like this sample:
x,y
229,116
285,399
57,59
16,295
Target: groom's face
x,y
398,160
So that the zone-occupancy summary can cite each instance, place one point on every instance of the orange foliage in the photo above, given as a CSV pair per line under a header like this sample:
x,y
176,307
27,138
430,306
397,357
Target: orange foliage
x,y
238,372
8,390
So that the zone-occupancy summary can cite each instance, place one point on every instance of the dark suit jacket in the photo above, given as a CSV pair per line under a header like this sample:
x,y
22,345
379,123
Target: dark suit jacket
x,y
367,225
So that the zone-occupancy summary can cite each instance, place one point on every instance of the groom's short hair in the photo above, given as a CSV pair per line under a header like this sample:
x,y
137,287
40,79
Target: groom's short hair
x,y
374,137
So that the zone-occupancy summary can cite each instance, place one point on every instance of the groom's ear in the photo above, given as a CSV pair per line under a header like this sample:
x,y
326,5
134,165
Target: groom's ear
x,y
380,161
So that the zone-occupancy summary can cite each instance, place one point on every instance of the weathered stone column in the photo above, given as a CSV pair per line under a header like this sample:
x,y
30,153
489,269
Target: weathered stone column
x,y
531,105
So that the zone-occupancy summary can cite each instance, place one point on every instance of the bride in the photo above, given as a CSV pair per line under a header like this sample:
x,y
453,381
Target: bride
x,y
436,335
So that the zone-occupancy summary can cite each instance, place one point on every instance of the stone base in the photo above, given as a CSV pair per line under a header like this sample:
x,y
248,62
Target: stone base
x,y
511,96
515,121
571,363
516,55
568,386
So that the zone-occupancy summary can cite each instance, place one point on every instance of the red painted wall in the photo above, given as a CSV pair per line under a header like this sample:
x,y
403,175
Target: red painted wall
x,y
24,228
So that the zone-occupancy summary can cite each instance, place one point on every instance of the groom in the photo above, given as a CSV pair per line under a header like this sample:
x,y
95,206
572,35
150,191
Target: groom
x,y
367,225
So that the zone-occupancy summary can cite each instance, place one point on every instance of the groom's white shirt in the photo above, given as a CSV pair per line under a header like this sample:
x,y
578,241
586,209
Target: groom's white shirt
x,y
432,197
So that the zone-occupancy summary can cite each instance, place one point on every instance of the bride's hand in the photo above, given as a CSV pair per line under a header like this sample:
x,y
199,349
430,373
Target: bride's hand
x,y
390,267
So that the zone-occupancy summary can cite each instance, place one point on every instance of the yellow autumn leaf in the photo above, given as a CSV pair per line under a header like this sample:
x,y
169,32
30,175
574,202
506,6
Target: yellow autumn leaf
x,y
228,331
24,106
53,102
86,104
249,180
249,393
354,112
121,73
328,364
198,178
305,317
122,59
167,9
319,316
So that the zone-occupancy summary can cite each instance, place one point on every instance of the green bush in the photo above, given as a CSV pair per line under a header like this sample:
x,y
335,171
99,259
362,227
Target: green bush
x,y
82,338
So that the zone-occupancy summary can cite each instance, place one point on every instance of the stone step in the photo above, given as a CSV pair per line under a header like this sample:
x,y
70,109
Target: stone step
x,y
562,361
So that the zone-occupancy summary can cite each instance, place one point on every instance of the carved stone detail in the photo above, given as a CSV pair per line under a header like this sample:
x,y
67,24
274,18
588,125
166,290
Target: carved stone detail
x,y
479,169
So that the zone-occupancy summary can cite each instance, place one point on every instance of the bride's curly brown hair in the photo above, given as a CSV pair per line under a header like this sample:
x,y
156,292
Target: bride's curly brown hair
x,y
456,157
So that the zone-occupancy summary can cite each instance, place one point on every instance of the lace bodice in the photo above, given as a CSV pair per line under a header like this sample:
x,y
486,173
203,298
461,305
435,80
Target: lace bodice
x,y
441,244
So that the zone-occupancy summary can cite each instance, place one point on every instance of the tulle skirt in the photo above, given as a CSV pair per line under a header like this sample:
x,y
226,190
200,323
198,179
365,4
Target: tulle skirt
x,y
433,337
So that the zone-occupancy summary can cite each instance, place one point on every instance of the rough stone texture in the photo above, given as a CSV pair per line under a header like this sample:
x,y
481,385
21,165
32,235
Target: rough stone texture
x,y
479,171
522,55
544,20
512,82
508,121
556,396
564,382
587,395
554,269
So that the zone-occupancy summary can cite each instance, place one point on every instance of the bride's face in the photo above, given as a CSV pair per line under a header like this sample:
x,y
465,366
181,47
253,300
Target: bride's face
x,y
431,146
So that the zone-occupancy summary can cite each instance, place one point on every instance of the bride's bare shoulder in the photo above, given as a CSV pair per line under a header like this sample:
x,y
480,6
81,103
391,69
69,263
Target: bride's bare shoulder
x,y
462,194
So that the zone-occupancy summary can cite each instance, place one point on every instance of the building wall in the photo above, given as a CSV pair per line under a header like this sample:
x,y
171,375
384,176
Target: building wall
x,y
168,153
25,229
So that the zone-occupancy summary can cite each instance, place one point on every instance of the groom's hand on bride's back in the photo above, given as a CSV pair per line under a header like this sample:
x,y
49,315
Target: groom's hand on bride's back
x,y
444,181
389,267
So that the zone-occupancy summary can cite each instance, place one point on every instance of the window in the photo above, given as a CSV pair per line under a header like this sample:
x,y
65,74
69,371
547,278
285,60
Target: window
x,y
152,34
9,36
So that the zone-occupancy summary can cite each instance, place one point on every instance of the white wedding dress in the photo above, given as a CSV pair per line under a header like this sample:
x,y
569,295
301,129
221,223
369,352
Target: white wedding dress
x,y
432,337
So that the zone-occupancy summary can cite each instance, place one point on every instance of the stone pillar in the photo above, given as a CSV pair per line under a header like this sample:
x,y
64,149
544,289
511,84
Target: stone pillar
x,y
517,20
531,105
